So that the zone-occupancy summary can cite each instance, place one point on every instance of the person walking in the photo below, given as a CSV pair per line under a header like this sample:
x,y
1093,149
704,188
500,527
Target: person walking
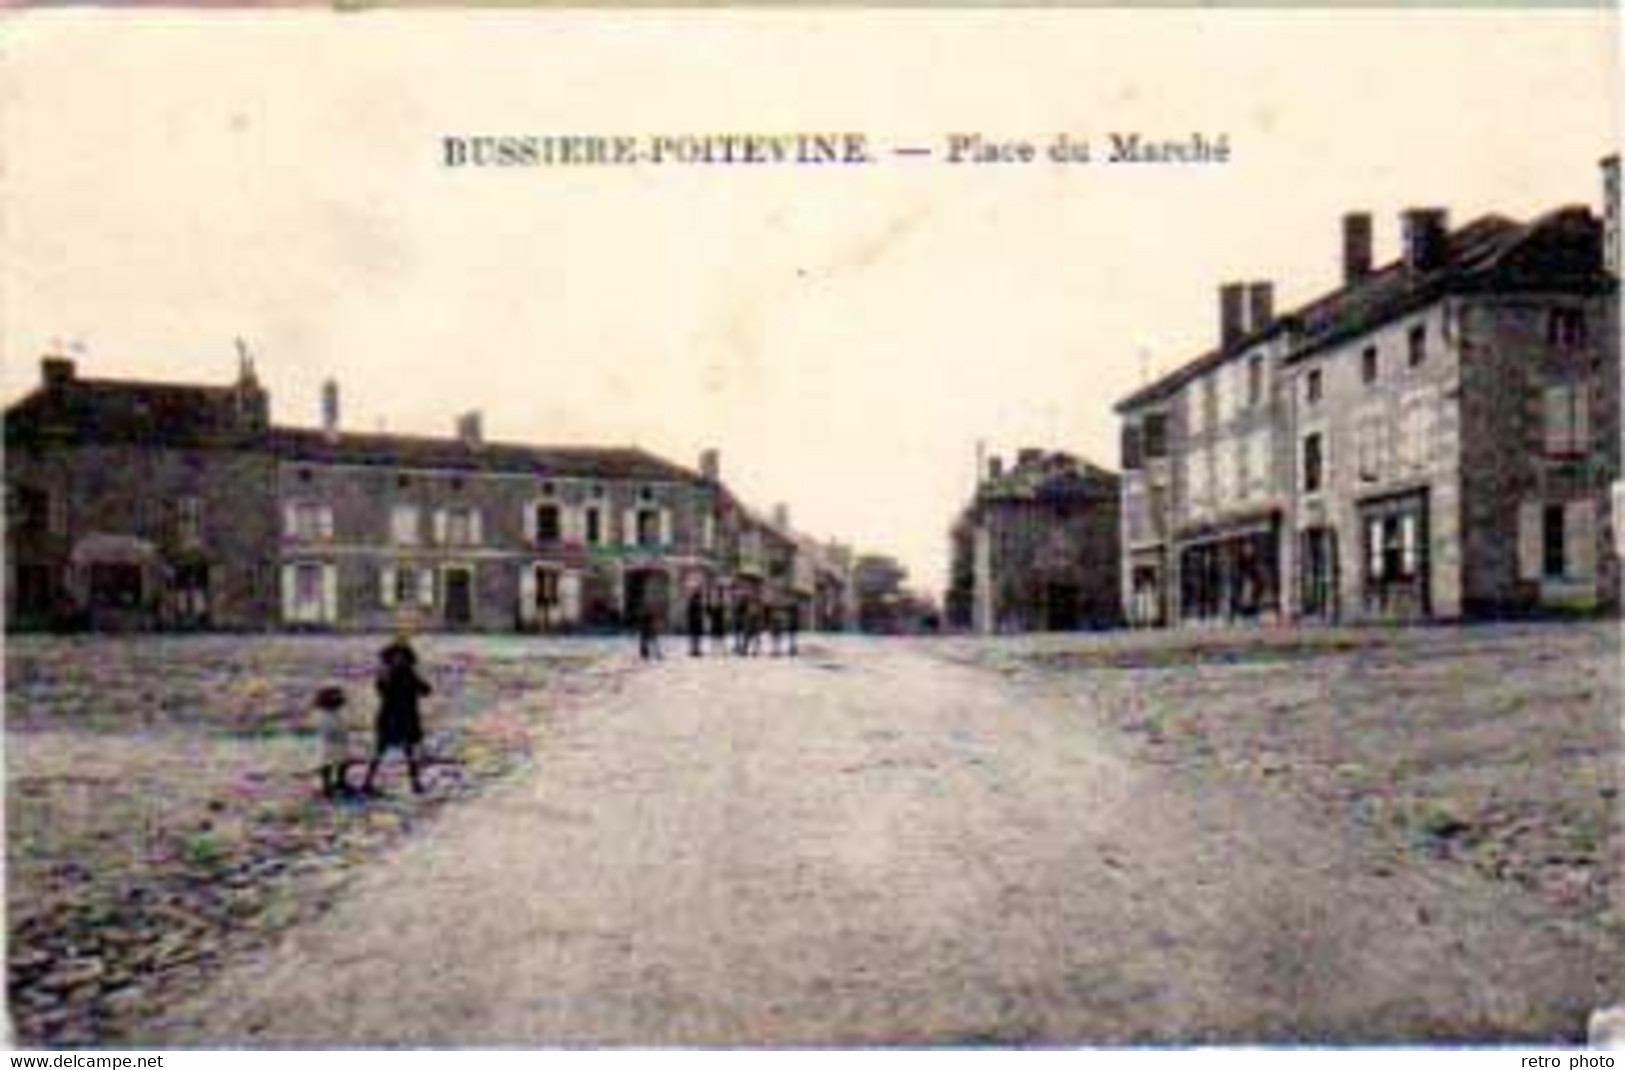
x,y
649,634
399,723
775,626
696,623
792,626
718,611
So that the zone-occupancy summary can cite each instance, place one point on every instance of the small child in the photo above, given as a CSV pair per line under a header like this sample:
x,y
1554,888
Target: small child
x,y
335,733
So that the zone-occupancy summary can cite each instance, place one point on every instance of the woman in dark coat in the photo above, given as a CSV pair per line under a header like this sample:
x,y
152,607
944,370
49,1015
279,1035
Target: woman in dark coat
x,y
399,723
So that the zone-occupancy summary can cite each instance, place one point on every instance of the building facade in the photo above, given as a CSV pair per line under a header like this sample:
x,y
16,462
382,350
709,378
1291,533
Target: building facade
x,y
175,505
1435,439
1038,548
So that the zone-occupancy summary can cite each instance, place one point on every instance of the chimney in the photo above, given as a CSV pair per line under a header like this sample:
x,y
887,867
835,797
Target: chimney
x,y
1356,246
1424,232
469,432
1028,455
330,408
711,465
781,517
1232,313
995,467
56,372
1260,306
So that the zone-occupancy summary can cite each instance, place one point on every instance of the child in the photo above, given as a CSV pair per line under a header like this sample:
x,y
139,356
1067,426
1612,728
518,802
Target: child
x,y
399,722
335,733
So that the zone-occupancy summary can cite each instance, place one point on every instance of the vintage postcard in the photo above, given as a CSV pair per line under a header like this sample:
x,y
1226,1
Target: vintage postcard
x,y
778,527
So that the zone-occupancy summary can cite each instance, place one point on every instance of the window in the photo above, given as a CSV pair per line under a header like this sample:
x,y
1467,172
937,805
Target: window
x,y
1392,548
549,488
189,520
403,525
1313,463
1312,386
1155,442
1368,365
462,527
1567,420
646,494
1368,445
310,521
407,586
1566,327
1131,446
307,591
595,525
1417,345
1255,381
1552,542
549,523
547,588
648,527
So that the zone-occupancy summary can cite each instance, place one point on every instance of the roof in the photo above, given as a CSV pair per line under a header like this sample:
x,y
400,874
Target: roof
x,y
1560,250
1040,476
416,451
118,411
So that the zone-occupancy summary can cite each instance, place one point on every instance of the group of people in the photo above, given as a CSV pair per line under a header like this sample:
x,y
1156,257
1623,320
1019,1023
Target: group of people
x,y
398,724
735,627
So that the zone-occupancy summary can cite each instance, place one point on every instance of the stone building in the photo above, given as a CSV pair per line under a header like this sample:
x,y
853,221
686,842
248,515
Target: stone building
x,y
1435,439
160,505
139,504
1038,548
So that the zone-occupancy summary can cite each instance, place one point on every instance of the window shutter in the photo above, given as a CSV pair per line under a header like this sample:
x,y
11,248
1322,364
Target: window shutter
x,y
290,594
330,593
426,588
327,522
386,586
527,593
475,534
530,522
570,597
629,527
290,520
1580,539
1530,535
440,527
665,528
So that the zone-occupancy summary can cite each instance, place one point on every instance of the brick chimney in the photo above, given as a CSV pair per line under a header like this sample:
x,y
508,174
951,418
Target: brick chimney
x,y
469,429
1260,306
711,465
995,467
330,408
1232,313
1424,231
781,516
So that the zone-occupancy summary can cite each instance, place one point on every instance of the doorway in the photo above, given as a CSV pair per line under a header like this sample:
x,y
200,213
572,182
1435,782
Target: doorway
x,y
459,597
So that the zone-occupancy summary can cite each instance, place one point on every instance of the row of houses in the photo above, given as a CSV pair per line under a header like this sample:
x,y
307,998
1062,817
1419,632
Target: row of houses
x,y
139,504
1437,438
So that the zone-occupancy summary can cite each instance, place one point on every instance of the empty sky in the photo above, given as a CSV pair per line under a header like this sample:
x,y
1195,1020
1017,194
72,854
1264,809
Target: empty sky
x,y
845,337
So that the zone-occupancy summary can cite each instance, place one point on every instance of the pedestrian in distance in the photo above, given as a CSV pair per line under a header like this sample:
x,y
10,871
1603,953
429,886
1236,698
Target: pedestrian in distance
x,y
792,629
399,724
753,628
718,612
741,625
649,635
334,728
775,627
696,623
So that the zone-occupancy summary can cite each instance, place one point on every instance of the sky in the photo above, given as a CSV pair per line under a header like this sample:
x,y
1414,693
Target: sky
x,y
845,336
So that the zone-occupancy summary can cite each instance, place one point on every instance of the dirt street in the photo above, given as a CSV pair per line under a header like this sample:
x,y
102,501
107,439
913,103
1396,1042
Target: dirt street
x,y
874,844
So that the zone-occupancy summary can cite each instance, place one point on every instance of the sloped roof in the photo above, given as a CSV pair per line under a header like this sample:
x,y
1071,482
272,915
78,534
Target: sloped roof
x,y
1560,250
117,411
416,451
